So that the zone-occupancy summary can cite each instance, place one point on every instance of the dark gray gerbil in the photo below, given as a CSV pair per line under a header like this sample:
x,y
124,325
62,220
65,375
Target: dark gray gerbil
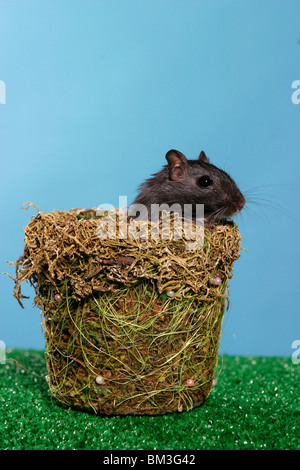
x,y
192,182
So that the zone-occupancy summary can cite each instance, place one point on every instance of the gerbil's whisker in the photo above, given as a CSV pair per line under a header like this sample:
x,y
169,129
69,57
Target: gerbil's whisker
x,y
261,197
250,213
265,203
218,214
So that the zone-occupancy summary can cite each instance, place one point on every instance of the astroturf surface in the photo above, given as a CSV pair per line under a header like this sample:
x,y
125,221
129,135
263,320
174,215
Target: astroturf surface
x,y
254,405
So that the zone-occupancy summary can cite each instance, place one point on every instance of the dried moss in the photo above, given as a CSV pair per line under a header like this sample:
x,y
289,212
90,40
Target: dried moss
x,y
128,321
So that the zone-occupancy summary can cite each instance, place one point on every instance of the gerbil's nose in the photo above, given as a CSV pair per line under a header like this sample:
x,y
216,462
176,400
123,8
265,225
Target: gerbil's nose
x,y
240,203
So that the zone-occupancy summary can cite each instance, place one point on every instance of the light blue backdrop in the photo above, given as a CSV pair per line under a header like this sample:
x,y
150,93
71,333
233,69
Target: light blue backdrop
x,y
98,91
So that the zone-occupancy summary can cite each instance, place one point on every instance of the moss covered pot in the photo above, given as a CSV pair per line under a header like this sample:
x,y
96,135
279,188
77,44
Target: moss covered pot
x,y
132,325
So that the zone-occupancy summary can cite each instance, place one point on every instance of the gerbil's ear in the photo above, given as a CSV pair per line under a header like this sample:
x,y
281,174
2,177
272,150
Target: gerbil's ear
x,y
202,157
177,165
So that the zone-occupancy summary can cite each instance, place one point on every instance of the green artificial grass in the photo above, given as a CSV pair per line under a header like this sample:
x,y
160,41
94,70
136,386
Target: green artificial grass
x,y
254,405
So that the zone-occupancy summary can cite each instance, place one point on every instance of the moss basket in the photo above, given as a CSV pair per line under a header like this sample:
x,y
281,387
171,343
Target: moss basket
x,y
132,325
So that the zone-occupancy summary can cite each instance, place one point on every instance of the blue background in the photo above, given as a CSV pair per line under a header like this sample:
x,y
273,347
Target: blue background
x,y
98,91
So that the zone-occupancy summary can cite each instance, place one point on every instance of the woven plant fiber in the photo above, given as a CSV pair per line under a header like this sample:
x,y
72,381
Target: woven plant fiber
x,y
131,325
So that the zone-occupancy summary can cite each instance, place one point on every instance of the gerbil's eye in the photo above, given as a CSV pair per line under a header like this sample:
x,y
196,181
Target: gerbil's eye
x,y
205,181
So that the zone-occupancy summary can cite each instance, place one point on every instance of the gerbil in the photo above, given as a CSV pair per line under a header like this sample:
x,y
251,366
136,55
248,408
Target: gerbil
x,y
193,182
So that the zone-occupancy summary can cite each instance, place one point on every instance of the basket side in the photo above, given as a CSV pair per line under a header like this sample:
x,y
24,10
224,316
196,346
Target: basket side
x,y
134,353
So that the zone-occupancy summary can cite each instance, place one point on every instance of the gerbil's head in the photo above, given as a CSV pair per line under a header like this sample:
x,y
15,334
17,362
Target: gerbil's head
x,y
200,182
